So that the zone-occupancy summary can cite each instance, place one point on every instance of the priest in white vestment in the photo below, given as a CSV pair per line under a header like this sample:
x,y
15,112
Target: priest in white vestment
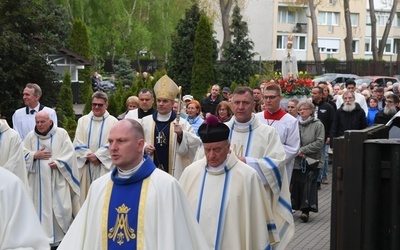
x,y
136,206
90,142
259,146
52,176
23,119
227,195
19,225
172,144
285,124
11,152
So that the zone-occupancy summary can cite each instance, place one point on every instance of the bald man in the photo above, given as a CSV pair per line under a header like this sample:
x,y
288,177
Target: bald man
x,y
52,176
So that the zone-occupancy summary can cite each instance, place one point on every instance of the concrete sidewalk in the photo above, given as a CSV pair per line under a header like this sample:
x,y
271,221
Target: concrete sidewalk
x,y
315,234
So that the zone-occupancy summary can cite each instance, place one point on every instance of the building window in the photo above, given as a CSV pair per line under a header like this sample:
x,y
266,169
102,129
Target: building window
x,y
397,18
299,42
286,16
354,19
382,18
388,46
330,46
280,42
328,18
355,46
368,45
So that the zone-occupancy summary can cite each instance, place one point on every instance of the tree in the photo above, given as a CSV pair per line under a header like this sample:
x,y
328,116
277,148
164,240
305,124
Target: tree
x,y
65,109
203,74
385,35
124,71
238,65
28,32
180,63
348,41
374,49
121,27
79,43
314,39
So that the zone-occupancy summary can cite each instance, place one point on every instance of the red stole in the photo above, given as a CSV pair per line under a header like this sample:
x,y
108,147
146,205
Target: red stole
x,y
275,116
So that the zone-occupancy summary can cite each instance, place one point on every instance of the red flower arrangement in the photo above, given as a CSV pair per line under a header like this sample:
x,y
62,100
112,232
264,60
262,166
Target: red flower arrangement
x,y
295,87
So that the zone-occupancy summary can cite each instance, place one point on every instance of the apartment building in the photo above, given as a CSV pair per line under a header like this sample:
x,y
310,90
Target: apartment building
x,y
272,21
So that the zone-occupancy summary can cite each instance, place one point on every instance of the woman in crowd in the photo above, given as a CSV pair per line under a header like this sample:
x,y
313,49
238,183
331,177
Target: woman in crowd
x,y
292,107
372,110
131,103
193,111
224,111
304,194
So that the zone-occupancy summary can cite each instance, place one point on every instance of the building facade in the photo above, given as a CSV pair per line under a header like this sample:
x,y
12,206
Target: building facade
x,y
272,21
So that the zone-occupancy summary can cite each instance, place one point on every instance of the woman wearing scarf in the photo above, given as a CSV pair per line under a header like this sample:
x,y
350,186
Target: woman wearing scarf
x,y
193,110
304,194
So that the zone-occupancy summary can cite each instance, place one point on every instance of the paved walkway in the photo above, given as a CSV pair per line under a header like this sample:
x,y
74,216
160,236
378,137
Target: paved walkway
x,y
316,233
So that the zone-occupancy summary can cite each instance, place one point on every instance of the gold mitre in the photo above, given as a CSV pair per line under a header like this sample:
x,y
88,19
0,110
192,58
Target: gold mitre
x,y
166,88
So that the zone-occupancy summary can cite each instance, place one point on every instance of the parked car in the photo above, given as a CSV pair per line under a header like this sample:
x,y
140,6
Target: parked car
x,y
380,80
334,78
108,86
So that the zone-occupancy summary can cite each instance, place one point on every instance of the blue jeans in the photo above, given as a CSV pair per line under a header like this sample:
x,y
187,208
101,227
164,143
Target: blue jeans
x,y
323,171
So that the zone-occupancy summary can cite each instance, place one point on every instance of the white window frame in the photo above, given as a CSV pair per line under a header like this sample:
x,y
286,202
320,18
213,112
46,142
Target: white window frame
x,y
355,46
367,41
286,16
389,45
282,42
354,17
329,50
382,18
328,18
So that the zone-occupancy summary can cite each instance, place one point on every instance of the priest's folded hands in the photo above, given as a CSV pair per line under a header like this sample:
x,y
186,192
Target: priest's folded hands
x,y
42,154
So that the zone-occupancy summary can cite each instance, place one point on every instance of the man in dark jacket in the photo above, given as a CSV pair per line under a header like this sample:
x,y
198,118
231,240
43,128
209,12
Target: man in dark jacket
x,y
325,113
390,109
209,103
350,116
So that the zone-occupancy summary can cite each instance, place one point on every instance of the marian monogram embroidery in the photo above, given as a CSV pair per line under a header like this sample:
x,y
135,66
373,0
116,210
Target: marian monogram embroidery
x,y
238,150
121,230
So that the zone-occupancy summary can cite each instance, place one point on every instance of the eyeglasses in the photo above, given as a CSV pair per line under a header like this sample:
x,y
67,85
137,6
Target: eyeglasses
x,y
303,109
270,97
100,105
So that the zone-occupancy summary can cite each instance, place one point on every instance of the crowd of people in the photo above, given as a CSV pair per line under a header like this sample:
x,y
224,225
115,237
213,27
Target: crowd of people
x,y
227,171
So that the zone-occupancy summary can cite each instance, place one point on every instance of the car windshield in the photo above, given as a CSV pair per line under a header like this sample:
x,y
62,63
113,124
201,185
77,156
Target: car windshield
x,y
324,78
360,81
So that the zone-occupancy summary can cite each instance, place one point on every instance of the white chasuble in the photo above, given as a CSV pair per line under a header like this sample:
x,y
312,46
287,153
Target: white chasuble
x,y
146,211
261,146
92,137
54,192
11,152
19,225
231,205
